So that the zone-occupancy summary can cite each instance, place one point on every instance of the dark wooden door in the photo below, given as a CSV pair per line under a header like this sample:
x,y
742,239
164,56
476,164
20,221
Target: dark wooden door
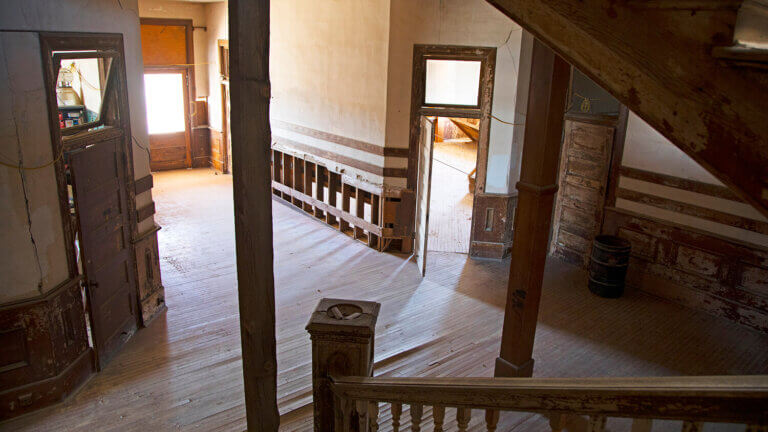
x,y
584,167
101,202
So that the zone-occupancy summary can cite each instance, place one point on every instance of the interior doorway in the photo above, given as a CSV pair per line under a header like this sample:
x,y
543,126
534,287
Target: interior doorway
x,y
168,118
169,77
452,88
454,170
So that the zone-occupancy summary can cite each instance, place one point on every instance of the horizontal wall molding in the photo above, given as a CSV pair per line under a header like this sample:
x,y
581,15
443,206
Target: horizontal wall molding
x,y
342,140
680,183
694,210
341,159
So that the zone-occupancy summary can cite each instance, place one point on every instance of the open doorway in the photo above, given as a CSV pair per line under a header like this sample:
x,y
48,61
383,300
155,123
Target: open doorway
x,y
169,89
449,137
454,170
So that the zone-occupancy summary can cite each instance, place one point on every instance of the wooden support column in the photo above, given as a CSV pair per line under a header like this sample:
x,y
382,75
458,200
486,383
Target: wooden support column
x,y
334,183
359,210
373,239
249,82
537,188
321,175
346,194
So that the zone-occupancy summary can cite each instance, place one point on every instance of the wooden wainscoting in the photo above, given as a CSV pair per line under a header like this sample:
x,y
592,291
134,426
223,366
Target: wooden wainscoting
x,y
44,352
151,293
151,290
218,151
700,270
492,225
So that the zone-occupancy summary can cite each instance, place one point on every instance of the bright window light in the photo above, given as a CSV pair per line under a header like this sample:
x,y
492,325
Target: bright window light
x,y
165,102
452,82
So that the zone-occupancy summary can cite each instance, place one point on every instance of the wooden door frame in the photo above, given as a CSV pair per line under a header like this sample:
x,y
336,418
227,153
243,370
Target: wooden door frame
x,y
224,125
189,67
57,41
187,104
224,85
422,53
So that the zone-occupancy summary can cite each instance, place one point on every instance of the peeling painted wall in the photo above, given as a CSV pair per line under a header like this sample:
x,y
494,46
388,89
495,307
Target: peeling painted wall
x,y
646,149
456,22
28,269
24,98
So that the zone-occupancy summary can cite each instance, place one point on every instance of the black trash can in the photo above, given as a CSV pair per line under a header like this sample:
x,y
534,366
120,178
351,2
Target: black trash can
x,y
608,266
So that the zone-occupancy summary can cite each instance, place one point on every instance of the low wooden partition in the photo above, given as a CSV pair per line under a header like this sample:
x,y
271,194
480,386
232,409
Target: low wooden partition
x,y
357,209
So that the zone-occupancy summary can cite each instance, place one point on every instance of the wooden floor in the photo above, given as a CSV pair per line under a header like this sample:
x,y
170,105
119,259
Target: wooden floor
x,y
450,207
183,372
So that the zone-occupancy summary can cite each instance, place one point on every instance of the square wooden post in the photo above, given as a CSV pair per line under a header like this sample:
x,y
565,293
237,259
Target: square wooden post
x,y
342,333
533,217
251,142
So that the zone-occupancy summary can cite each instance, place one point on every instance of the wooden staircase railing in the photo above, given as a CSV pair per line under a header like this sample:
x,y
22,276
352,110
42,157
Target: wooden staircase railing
x,y
694,400
347,397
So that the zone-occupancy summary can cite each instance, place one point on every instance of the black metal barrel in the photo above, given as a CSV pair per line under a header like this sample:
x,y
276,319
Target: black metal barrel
x,y
608,266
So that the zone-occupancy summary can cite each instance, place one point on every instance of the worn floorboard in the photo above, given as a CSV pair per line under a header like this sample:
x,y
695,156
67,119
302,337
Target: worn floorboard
x,y
184,372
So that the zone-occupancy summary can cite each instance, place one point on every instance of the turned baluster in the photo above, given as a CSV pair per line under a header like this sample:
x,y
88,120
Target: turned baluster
x,y
416,412
689,426
438,413
462,418
397,409
373,416
491,419
596,423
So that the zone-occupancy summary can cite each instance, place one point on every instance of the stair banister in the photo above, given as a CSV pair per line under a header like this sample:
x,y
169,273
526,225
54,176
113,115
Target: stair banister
x,y
348,398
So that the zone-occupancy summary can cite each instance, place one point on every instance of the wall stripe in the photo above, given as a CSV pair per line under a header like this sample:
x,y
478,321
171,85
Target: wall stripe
x,y
342,140
694,210
344,160
680,183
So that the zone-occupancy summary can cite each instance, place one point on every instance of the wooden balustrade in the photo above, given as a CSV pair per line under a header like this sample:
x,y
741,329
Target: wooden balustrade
x,y
348,398
376,219
694,400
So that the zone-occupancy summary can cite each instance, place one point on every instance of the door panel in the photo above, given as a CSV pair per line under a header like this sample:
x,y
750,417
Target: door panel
x,y
423,183
584,166
99,181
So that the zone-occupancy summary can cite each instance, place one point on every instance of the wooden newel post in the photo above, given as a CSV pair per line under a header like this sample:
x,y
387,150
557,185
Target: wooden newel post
x,y
342,333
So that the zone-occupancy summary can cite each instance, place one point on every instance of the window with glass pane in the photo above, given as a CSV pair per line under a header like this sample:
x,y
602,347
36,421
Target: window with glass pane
x,y
452,82
80,88
165,102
